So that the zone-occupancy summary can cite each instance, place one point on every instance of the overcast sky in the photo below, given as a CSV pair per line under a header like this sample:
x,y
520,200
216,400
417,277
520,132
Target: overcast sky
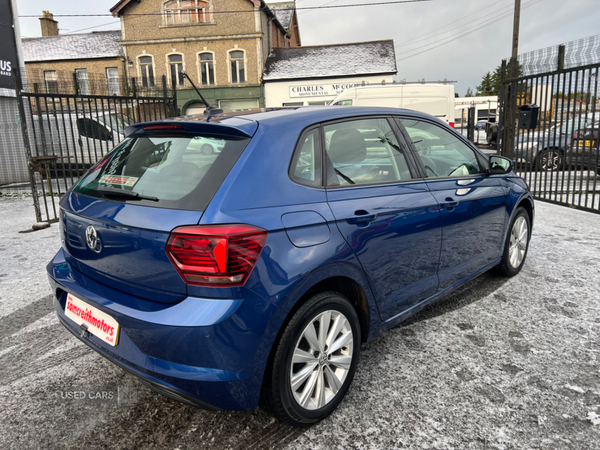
x,y
478,33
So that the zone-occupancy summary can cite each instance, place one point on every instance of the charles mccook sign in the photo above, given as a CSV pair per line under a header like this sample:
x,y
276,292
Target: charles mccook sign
x,y
320,90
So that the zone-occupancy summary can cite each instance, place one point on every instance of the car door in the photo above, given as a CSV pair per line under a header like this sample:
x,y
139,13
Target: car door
x,y
473,204
385,213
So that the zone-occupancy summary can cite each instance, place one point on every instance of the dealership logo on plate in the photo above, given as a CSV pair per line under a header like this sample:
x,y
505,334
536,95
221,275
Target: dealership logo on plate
x,y
92,239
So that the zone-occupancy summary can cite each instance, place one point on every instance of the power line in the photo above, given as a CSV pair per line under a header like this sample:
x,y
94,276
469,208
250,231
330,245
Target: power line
x,y
453,38
89,28
391,2
421,37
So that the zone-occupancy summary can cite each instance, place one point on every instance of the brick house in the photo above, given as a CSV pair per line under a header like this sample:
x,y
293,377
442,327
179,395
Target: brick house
x,y
221,45
53,62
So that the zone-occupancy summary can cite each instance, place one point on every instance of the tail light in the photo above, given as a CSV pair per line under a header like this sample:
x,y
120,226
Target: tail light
x,y
451,124
216,255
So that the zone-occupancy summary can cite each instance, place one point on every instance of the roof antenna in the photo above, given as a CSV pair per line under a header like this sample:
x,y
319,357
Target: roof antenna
x,y
210,110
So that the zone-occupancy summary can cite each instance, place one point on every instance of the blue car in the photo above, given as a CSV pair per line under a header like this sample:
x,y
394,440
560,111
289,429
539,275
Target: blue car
x,y
253,275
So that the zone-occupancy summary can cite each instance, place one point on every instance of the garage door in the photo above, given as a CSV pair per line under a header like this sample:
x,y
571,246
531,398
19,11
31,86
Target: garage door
x,y
231,105
195,108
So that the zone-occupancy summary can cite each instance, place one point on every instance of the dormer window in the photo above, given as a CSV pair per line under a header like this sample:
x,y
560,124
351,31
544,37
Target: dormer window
x,y
183,12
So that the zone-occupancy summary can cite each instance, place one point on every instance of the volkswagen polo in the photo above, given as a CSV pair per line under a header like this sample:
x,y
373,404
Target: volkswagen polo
x,y
253,275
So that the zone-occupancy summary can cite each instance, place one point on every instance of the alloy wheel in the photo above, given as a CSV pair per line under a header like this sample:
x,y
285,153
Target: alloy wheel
x,y
518,242
321,360
550,160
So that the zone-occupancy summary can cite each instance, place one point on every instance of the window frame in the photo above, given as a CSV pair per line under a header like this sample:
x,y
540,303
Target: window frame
x,y
207,13
113,84
230,72
83,83
329,173
481,158
214,66
296,155
151,64
51,84
168,63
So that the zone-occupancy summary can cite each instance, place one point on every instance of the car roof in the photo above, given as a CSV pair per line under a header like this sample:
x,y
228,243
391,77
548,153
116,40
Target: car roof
x,y
247,121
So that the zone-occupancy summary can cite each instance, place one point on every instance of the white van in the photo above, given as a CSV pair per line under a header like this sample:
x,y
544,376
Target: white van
x,y
434,99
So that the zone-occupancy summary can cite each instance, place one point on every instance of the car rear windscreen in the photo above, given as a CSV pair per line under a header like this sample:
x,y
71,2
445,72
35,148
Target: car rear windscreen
x,y
177,172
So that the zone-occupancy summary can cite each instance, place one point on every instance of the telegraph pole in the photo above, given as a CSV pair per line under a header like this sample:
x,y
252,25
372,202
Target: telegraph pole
x,y
515,44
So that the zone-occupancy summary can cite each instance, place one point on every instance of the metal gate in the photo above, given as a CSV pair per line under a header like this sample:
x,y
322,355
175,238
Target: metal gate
x,y
66,134
560,157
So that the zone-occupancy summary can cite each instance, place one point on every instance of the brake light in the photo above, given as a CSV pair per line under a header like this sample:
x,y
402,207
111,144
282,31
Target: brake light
x,y
216,255
451,124
162,127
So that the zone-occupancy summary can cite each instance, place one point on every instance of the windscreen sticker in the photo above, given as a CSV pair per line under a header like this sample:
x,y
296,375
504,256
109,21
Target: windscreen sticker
x,y
121,181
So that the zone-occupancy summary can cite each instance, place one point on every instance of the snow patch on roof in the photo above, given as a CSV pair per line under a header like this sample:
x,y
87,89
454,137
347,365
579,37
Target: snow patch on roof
x,y
331,60
102,44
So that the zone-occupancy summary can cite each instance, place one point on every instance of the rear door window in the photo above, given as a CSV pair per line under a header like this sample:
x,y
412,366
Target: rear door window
x,y
365,151
165,171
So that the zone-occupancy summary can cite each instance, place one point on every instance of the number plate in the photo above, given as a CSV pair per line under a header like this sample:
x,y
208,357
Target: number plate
x,y
98,323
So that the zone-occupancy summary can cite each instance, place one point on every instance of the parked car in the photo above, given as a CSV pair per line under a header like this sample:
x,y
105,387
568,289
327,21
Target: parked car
x,y
480,125
254,274
572,144
78,140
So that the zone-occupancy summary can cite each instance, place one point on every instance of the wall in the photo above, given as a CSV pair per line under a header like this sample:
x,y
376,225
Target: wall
x,y
278,92
190,50
148,35
151,27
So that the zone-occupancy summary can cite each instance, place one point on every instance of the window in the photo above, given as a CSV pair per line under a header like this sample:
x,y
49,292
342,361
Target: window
x,y
51,81
442,153
365,152
174,169
112,81
343,103
236,65
233,105
175,69
182,12
317,103
293,104
306,165
146,71
207,68
83,85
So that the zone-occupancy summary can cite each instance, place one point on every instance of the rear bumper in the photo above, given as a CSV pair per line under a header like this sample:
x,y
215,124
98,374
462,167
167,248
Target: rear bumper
x,y
203,352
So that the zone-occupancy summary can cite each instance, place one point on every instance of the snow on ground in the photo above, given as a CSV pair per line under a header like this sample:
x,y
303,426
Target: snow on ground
x,y
502,364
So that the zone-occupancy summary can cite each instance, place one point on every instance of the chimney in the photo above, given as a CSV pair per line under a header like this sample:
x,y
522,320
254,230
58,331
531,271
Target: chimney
x,y
49,25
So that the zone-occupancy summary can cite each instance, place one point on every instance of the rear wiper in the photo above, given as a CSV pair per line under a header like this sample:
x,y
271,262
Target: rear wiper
x,y
112,192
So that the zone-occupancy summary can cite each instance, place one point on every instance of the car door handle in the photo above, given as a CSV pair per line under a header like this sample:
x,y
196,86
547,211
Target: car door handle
x,y
361,216
449,204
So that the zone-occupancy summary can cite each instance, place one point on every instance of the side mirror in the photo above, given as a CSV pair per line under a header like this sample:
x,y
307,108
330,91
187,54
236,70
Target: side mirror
x,y
500,165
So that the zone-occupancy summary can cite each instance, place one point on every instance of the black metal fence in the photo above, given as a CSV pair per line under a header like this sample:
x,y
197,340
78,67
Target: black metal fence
x,y
559,158
66,133
79,83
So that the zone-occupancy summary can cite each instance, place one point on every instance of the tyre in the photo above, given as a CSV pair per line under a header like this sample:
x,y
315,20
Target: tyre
x,y
207,149
517,244
549,159
314,361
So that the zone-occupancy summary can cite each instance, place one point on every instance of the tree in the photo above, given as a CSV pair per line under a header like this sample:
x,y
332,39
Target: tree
x,y
487,85
469,93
